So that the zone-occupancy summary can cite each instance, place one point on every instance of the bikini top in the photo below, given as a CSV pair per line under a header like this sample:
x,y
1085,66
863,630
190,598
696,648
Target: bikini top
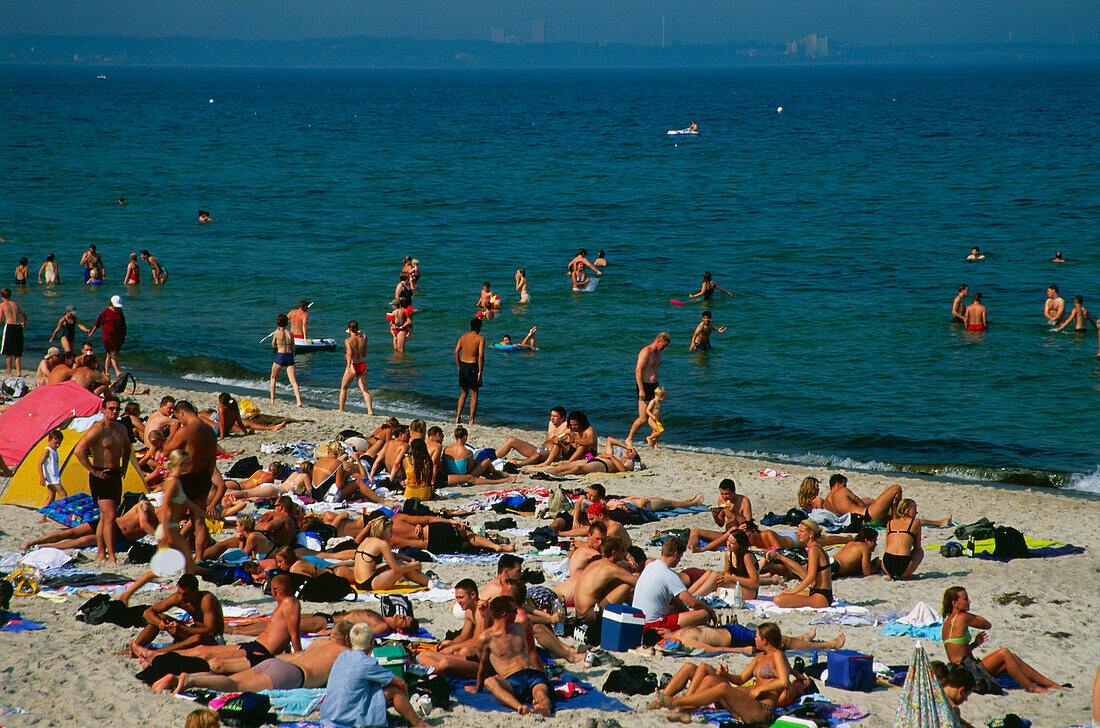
x,y
764,671
963,639
907,529
376,558
180,496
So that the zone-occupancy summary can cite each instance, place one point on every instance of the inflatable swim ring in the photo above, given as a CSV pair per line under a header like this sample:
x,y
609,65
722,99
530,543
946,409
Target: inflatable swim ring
x,y
509,347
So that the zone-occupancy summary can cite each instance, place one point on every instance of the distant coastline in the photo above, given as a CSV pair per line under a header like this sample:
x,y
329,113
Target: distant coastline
x,y
362,52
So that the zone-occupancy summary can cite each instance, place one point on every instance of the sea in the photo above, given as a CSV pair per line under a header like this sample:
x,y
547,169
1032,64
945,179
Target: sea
x,y
837,204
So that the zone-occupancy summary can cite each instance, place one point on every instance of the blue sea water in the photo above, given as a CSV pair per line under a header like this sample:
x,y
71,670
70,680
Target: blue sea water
x,y
840,224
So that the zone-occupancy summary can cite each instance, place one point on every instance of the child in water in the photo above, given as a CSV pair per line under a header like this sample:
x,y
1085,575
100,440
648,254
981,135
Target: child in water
x,y
653,413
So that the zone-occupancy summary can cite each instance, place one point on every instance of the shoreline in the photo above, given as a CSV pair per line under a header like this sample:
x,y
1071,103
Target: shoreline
x,y
1063,588
1067,482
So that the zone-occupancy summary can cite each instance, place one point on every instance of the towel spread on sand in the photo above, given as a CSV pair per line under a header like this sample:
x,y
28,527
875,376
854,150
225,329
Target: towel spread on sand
x,y
590,699
301,701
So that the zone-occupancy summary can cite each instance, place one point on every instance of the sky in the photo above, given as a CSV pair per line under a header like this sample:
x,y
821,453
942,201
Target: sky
x,y
856,22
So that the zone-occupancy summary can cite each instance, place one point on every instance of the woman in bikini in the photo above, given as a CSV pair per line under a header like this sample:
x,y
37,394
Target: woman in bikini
x,y
174,505
903,552
377,566
521,286
226,418
462,469
608,462
739,565
66,328
22,272
440,535
400,325
133,273
959,647
809,494
154,463
772,685
816,588
578,276
708,288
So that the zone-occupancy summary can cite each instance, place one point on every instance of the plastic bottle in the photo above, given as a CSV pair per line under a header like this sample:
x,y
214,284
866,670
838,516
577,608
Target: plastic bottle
x,y
738,600
970,546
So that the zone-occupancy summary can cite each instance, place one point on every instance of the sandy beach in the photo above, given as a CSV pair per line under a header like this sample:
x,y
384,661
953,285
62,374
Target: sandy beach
x,y
74,675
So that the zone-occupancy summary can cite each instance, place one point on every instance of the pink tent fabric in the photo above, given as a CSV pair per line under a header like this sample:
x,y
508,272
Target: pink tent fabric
x,y
45,407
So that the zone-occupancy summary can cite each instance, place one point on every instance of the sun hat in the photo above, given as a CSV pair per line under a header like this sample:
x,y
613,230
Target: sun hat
x,y
116,301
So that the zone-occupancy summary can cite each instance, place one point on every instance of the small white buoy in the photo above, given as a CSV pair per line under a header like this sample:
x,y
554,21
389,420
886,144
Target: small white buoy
x,y
211,100
779,110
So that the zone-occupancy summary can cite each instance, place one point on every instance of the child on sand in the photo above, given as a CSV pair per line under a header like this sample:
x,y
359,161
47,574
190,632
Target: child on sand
x,y
653,414
49,469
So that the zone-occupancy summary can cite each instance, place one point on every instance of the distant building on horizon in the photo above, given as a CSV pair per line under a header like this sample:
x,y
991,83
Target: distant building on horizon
x,y
497,35
812,46
538,31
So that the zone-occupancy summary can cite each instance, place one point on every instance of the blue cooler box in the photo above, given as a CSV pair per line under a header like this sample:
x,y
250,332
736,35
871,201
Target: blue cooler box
x,y
850,670
622,627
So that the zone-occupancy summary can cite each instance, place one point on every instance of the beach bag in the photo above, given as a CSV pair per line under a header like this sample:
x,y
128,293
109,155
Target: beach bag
x,y
393,604
630,680
247,710
248,409
850,670
435,687
414,507
325,587
978,531
244,468
141,553
951,549
1009,544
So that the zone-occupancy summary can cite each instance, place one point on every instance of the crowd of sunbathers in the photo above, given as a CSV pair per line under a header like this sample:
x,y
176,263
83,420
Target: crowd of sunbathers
x,y
378,548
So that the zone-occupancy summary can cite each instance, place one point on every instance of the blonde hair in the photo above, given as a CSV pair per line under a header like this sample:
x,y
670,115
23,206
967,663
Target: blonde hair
x,y
660,392
361,637
810,489
203,718
178,458
903,506
664,337
247,521
377,527
812,527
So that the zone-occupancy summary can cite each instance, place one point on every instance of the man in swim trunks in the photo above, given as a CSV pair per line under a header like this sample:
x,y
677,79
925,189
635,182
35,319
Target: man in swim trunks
x,y
604,581
700,339
533,455
207,624
14,321
841,500
199,477
1079,316
1054,308
731,511
91,260
645,380
456,657
104,451
355,350
299,319
306,669
661,594
974,317
508,649
470,360
958,306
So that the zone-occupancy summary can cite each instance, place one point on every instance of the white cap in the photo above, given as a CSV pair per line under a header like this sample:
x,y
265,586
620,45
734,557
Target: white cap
x,y
116,301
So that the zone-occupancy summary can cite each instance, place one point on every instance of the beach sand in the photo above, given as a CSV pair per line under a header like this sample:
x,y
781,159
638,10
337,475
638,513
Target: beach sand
x,y
71,674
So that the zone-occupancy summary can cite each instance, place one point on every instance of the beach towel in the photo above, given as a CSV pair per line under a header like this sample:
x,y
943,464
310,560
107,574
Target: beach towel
x,y
590,699
15,623
301,701
400,588
897,629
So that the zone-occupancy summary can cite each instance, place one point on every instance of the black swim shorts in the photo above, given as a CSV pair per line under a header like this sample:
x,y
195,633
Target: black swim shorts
x,y
109,488
468,376
649,389
196,486
443,538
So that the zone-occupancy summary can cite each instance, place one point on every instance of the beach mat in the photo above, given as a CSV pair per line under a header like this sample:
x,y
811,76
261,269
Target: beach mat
x,y
592,699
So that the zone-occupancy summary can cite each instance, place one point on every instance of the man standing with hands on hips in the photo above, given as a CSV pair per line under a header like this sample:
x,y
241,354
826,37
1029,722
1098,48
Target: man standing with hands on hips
x,y
104,452
645,380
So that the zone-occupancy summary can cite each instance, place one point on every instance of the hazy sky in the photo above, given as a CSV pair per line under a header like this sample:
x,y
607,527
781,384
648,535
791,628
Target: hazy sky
x,y
860,22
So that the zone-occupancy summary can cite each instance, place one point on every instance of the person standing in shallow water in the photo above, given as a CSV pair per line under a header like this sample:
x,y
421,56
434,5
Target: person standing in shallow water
x,y
470,360
283,343
974,317
645,380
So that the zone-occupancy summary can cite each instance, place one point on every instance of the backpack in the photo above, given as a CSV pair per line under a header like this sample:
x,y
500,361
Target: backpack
x,y
119,385
141,553
1008,543
543,537
395,604
325,587
101,608
244,468
247,710
979,530
630,680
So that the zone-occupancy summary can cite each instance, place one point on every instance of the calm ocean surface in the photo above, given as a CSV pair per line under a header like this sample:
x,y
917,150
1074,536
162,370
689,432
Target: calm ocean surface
x,y
841,224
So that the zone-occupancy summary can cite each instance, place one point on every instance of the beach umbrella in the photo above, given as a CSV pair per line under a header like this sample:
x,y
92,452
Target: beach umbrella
x,y
923,704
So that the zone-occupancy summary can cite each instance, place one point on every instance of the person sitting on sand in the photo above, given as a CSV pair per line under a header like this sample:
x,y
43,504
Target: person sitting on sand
x,y
309,668
957,621
335,472
245,537
660,593
139,521
532,454
903,552
856,558
280,524
739,565
772,684
731,511
392,456
841,500
527,343
816,587
359,688
459,460
957,684
809,494
227,419
457,656
579,440
206,627
282,631
509,664
377,567
604,581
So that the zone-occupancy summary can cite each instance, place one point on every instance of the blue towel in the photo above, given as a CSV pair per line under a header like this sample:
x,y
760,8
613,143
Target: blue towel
x,y
15,624
931,633
486,703
301,701
680,511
